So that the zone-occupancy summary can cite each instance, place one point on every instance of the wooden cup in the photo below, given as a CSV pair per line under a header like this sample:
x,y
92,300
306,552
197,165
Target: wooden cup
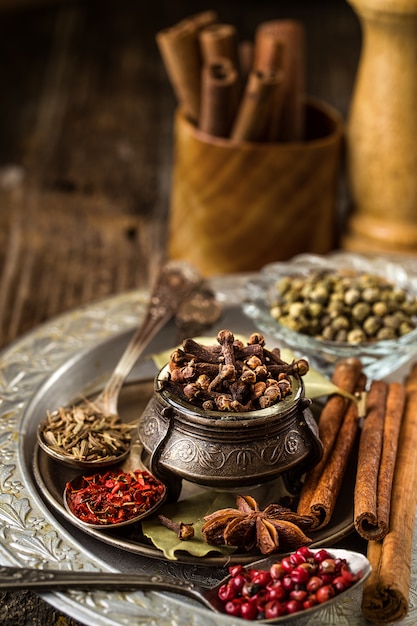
x,y
237,206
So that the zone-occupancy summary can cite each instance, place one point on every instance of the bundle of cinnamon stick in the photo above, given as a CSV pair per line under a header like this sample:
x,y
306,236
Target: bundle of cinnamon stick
x,y
243,91
385,491
386,592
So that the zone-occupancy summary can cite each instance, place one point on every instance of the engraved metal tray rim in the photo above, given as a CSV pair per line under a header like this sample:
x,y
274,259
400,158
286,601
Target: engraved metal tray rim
x,y
30,535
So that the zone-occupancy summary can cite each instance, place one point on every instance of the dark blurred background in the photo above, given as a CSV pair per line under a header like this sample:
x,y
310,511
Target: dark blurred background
x,y
86,114
86,105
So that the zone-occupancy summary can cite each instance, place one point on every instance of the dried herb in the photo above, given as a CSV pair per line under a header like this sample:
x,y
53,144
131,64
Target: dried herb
x,y
114,497
85,434
275,528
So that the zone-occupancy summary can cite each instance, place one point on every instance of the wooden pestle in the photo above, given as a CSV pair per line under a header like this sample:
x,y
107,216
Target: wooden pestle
x,y
382,131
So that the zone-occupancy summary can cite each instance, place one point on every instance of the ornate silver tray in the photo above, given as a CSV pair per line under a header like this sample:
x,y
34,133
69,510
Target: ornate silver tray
x,y
32,532
51,477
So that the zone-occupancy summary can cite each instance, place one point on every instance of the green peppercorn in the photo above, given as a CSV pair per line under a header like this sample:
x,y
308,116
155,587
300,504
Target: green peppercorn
x,y
386,333
337,297
398,295
325,321
320,294
315,309
380,309
356,336
344,306
391,321
296,309
297,284
405,328
366,281
341,336
336,308
361,311
293,323
283,285
340,323
305,292
352,296
408,309
328,333
370,294
371,325
276,312
314,326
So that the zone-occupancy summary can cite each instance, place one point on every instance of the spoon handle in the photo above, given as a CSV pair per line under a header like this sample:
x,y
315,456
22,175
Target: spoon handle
x,y
14,578
175,281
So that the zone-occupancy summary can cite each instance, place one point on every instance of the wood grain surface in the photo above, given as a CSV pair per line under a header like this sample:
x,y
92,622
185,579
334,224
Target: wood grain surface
x,y
86,114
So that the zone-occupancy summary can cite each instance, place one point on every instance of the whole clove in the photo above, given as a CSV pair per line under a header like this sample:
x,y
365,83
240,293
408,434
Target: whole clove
x,y
184,531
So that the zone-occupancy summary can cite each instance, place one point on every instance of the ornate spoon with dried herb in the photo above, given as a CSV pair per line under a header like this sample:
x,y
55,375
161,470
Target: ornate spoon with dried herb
x,y
92,433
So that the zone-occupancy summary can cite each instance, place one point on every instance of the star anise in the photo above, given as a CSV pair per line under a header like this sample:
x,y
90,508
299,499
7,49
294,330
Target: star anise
x,y
275,528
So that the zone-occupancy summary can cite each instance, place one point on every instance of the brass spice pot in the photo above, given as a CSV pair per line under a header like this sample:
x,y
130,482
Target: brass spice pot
x,y
229,450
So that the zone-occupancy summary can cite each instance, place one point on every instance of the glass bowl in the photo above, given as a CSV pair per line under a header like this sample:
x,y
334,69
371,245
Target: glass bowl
x,y
379,358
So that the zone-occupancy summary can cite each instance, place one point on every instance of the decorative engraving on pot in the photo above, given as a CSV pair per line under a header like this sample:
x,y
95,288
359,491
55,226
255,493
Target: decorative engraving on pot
x,y
150,428
207,456
188,452
292,442
232,450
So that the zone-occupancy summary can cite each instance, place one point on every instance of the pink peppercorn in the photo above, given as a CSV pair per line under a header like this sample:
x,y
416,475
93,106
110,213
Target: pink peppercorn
x,y
298,582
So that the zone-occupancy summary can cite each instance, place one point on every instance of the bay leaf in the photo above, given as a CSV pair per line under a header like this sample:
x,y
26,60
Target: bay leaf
x,y
190,510
317,385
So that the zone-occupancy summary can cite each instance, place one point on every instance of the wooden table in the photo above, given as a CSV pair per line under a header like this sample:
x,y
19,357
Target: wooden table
x,y
85,152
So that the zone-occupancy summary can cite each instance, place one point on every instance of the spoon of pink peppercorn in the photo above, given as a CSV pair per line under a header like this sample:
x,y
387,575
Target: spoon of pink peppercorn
x,y
270,590
300,582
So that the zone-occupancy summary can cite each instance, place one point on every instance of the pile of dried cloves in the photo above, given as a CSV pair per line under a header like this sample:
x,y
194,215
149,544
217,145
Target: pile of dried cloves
x,y
231,376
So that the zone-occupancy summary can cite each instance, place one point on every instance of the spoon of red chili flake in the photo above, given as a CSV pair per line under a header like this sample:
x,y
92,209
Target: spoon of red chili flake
x,y
304,580
113,498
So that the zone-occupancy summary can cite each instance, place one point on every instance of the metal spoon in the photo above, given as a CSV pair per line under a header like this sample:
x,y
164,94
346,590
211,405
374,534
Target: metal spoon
x,y
175,281
13,578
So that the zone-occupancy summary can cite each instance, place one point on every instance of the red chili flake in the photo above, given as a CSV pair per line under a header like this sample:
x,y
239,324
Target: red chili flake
x,y
114,497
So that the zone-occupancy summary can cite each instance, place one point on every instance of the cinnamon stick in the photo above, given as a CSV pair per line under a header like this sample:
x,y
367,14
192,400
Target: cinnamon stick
x,y
376,459
393,416
386,592
268,57
346,375
201,20
290,35
324,500
254,112
219,40
219,99
268,50
180,51
245,51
